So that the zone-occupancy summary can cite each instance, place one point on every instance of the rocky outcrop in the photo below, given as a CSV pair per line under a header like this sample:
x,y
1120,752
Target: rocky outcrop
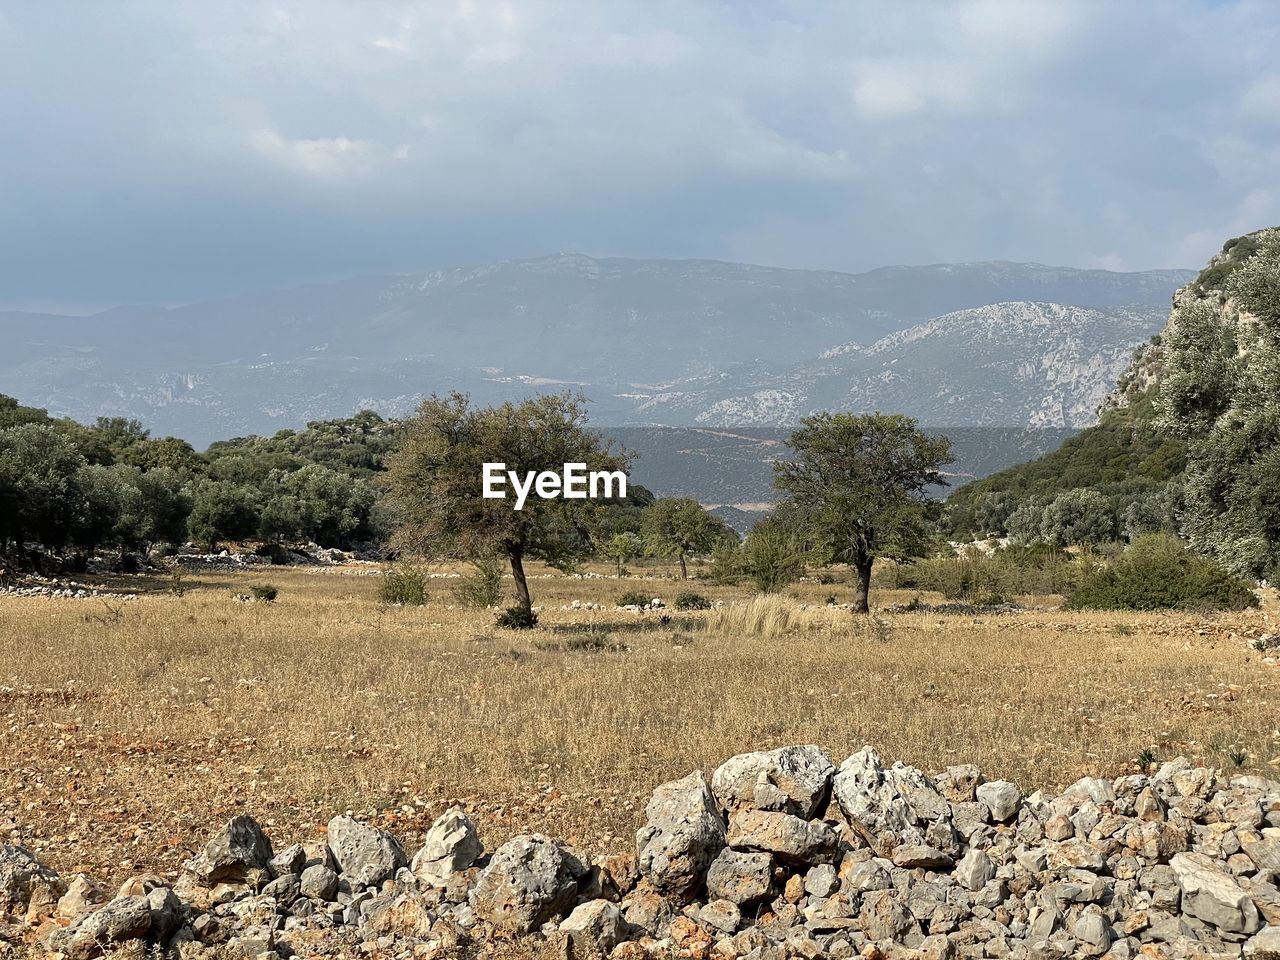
x,y
1179,864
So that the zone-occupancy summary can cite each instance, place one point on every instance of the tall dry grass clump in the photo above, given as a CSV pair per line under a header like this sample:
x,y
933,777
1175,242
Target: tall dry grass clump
x,y
771,617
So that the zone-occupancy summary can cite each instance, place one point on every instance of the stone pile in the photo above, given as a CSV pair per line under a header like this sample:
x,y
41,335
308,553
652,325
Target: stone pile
x,y
62,589
781,854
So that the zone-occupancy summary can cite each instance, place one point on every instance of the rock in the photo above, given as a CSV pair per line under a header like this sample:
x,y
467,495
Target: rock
x,y
1094,788
788,837
21,873
529,881
82,894
886,807
722,915
1002,798
919,856
791,780
959,783
450,846
291,860
884,917
1212,895
1093,934
125,918
740,877
366,856
1265,946
682,835
974,870
596,925
167,914
239,853
821,881
318,882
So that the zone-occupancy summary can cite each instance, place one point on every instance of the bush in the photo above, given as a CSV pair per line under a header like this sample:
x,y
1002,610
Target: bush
x,y
517,618
1157,572
634,598
593,641
689,600
978,578
403,586
481,590
265,592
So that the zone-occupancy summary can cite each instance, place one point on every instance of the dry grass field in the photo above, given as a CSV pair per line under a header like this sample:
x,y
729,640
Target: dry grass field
x,y
131,730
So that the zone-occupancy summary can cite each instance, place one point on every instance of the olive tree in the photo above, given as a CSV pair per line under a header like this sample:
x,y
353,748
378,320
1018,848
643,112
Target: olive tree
x,y
436,481
859,485
680,526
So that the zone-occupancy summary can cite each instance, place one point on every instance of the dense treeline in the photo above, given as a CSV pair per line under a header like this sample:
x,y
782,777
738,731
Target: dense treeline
x,y
66,486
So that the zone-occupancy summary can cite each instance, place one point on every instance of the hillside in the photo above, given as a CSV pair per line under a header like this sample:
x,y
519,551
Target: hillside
x,y
1187,440
634,334
1019,363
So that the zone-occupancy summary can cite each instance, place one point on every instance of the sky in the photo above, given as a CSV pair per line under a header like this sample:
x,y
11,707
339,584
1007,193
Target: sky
x,y
177,150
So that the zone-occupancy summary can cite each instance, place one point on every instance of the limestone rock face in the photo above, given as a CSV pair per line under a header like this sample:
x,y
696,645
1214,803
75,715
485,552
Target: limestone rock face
x,y
682,835
366,856
529,881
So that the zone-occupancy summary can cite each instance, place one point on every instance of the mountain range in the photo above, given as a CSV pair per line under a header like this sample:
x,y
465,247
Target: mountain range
x,y
651,342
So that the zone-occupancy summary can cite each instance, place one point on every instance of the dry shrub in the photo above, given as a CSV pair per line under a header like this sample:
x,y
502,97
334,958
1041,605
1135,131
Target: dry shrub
x,y
771,617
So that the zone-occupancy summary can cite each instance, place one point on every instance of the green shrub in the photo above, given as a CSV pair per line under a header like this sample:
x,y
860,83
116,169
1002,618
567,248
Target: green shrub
x,y
481,590
403,586
689,600
516,618
593,641
634,598
1157,572
979,578
265,592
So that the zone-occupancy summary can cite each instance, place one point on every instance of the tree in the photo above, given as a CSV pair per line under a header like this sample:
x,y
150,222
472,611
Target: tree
x,y
221,510
622,547
39,468
436,481
679,526
1221,389
772,556
859,483
1082,516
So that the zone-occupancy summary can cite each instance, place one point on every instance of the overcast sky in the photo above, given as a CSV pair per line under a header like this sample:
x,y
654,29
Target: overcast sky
x,y
170,151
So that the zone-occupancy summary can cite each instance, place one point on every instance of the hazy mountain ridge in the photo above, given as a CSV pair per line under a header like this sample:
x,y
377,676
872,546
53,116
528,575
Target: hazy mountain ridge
x,y
650,341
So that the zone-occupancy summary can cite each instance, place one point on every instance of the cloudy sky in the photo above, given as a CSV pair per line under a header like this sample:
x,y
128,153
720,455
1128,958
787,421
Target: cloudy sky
x,y
169,151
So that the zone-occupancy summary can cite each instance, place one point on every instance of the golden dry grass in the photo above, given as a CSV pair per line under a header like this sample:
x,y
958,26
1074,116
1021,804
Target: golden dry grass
x,y
128,739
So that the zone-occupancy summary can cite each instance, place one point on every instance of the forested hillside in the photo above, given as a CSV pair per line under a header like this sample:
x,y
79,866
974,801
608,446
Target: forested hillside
x,y
1189,442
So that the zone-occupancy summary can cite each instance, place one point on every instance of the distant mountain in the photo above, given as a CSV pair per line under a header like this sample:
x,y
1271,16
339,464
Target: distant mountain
x,y
1024,364
627,332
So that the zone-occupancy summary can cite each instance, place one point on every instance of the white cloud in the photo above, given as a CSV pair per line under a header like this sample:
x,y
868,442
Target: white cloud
x,y
320,157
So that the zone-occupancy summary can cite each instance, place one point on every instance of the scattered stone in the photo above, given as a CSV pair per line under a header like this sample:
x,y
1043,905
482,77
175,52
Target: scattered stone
x,y
596,925
366,856
740,877
791,780
239,853
450,846
1212,895
529,881
318,882
1001,798
683,834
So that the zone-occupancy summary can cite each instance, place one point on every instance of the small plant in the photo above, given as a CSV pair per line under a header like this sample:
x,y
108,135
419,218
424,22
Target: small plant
x,y
831,600
690,600
481,590
265,592
1146,758
177,582
1122,629
593,641
634,598
1237,756
403,586
516,618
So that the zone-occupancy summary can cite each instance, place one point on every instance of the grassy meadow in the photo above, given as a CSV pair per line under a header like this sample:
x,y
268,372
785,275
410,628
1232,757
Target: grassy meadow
x,y
132,729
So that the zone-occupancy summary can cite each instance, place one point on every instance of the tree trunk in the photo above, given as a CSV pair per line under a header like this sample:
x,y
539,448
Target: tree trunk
x,y
516,552
863,569
619,568
684,570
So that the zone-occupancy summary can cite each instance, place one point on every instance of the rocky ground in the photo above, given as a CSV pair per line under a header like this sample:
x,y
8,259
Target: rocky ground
x,y
780,854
